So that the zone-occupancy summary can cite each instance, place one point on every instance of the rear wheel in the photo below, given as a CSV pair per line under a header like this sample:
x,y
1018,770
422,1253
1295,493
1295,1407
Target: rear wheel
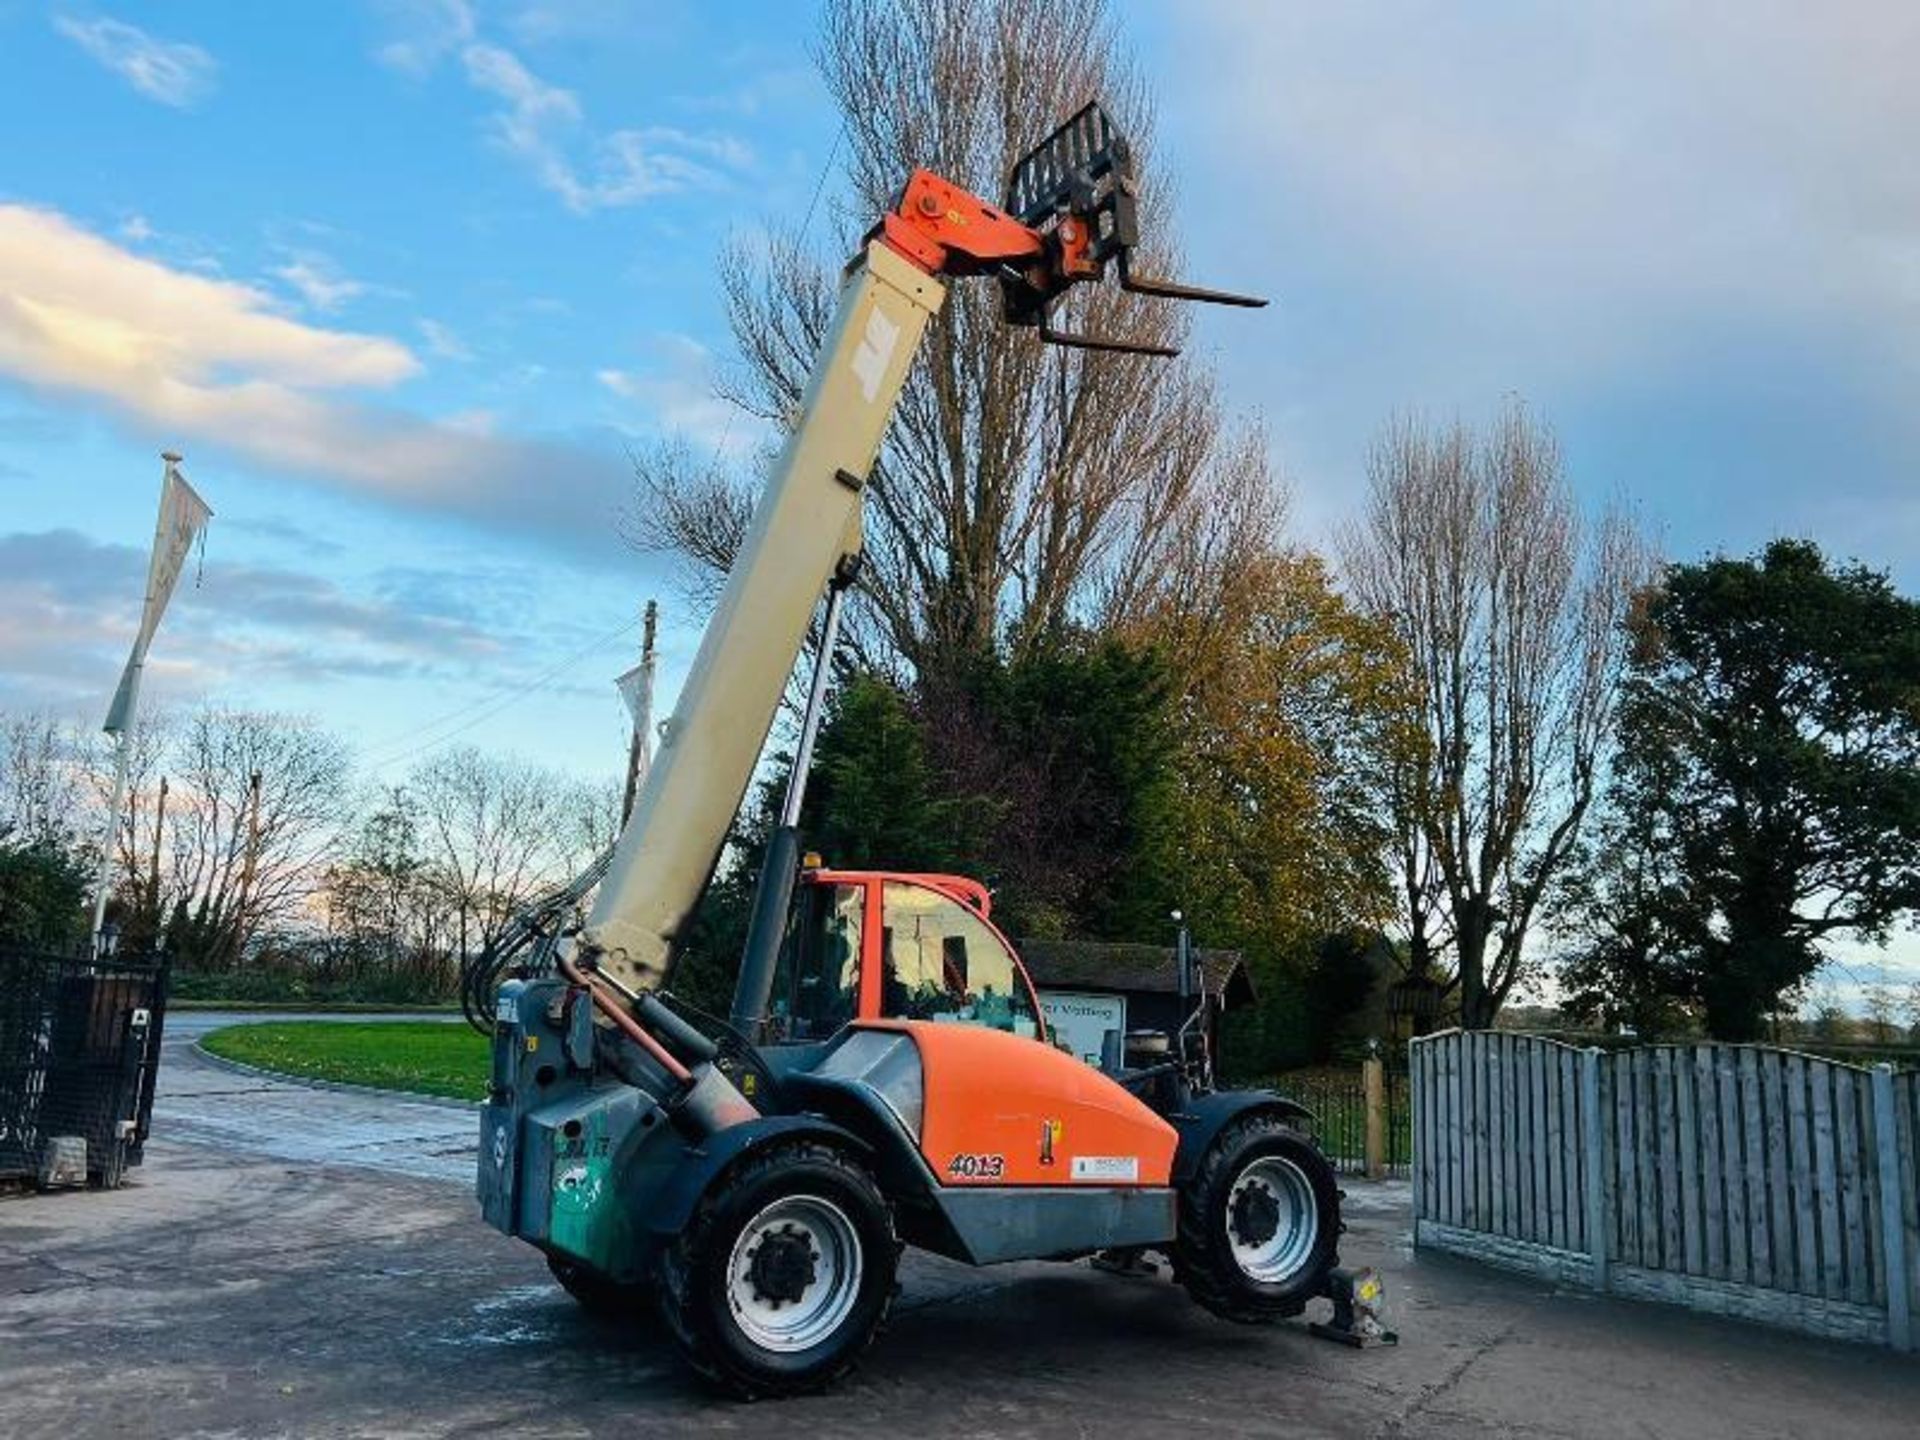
x,y
1259,1223
785,1272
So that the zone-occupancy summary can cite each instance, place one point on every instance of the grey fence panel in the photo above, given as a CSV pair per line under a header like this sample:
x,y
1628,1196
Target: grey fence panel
x,y
1673,1213
1906,1107
1647,1132
1753,1147
1625,1208
1826,1179
1773,1095
1737,1179
1686,1160
1713,1195
1733,1176
1498,1066
1856,1220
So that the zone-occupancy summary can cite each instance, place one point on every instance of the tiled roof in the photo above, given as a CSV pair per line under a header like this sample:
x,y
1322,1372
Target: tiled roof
x,y
1093,965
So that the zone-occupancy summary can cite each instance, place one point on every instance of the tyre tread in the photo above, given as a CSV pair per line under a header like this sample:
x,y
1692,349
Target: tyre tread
x,y
1207,1275
679,1263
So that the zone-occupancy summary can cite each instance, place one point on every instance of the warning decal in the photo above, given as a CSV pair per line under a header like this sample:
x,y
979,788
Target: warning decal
x,y
1107,1169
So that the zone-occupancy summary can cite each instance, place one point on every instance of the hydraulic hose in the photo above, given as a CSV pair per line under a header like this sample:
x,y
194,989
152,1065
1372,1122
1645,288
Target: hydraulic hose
x,y
617,1013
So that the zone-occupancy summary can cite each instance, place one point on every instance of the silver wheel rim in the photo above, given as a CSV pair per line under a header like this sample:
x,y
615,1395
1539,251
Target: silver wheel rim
x,y
787,1325
1276,1258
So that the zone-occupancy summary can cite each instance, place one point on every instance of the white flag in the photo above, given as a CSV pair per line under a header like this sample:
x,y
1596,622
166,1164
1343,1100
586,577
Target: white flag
x,y
633,687
183,514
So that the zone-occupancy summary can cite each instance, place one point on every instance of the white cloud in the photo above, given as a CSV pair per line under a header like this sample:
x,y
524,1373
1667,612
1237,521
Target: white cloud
x,y
442,341
1589,168
1692,232
540,123
430,31
545,127
77,310
189,358
319,280
69,605
170,71
676,397
135,230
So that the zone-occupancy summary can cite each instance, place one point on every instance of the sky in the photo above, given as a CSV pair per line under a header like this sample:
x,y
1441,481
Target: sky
x,y
405,280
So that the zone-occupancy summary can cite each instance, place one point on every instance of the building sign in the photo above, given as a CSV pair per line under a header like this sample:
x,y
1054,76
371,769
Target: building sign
x,y
1081,1021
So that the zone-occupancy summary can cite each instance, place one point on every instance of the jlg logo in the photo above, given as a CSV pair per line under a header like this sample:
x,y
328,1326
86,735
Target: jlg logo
x,y
875,349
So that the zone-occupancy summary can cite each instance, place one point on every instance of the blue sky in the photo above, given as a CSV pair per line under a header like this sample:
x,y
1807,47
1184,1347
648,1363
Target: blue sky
x,y
403,278
471,249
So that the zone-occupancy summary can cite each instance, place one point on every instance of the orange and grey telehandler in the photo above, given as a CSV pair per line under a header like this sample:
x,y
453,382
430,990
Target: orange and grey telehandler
x,y
884,1076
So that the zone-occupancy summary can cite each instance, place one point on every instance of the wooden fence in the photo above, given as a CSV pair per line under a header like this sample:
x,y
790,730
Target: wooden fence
x,y
1739,1179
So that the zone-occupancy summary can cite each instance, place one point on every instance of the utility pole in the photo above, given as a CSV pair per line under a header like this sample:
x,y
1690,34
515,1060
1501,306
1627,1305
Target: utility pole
x,y
249,866
637,686
153,872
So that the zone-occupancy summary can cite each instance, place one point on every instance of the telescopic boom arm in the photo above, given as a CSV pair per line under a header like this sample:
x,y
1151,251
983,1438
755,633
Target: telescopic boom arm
x,y
1070,210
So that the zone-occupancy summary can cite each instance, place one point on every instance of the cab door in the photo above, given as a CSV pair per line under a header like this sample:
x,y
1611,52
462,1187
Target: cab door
x,y
830,947
939,961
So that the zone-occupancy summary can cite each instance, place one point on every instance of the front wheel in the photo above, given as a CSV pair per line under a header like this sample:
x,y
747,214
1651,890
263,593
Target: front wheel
x,y
1259,1223
784,1274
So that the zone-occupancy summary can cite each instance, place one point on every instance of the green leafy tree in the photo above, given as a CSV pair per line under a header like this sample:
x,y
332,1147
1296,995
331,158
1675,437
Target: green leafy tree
x,y
1069,752
874,797
1614,914
1289,704
43,894
1772,716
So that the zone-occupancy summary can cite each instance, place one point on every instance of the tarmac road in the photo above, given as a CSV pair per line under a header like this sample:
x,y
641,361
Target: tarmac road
x,y
302,1262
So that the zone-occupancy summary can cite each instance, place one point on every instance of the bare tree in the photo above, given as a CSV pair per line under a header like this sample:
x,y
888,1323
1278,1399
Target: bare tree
x,y
255,804
1022,487
43,792
386,911
498,831
1511,608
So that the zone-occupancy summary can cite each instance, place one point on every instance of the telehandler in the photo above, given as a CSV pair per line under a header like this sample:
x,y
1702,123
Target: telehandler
x,y
884,1076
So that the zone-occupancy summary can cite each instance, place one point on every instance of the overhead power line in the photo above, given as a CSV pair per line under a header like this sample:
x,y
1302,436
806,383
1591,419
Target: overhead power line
x,y
410,744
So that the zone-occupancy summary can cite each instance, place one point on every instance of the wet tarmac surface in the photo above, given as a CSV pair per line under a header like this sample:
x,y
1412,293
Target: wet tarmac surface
x,y
303,1262
202,1102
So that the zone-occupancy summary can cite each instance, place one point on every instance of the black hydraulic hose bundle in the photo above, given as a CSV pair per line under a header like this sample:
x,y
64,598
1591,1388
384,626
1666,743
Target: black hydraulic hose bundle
x,y
535,928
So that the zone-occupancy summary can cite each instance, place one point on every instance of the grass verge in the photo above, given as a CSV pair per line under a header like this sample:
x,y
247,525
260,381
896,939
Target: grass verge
x,y
423,1057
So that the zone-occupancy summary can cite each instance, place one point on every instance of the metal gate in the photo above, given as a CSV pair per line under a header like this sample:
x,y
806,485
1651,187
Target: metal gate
x,y
79,1057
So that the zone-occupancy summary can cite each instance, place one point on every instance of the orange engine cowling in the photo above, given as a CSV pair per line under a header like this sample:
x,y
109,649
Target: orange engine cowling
x,y
1001,1109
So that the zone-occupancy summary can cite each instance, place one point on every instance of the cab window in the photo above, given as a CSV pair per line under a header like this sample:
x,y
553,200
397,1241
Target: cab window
x,y
817,985
941,962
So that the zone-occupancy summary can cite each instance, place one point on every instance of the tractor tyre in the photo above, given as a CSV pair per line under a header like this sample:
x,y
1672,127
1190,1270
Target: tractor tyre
x,y
1259,1223
785,1272
601,1297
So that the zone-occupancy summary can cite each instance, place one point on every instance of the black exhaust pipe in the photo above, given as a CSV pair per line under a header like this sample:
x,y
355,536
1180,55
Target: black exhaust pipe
x,y
772,897
774,893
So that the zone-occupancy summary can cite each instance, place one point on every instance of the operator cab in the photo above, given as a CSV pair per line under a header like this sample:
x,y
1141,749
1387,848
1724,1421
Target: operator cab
x,y
880,945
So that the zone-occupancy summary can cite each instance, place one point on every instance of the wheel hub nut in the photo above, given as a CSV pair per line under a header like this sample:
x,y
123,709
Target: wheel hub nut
x,y
782,1265
1256,1215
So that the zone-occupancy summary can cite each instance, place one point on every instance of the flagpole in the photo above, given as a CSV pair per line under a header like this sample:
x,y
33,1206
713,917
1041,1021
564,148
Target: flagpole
x,y
177,509
123,748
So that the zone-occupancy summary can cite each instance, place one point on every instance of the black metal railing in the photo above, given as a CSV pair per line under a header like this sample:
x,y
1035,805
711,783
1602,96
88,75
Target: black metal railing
x,y
1338,1099
79,1057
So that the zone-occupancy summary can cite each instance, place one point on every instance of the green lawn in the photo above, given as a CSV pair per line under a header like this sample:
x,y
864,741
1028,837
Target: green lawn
x,y
423,1056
